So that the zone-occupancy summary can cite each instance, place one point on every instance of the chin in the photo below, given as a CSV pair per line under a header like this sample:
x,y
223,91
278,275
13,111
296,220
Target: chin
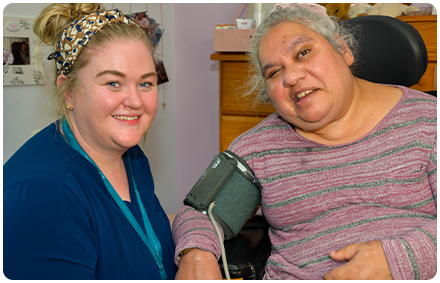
x,y
129,143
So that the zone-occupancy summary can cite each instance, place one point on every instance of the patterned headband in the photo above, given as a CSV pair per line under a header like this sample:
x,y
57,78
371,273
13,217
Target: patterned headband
x,y
315,8
76,36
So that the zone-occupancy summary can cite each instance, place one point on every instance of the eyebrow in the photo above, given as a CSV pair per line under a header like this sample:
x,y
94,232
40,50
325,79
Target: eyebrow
x,y
300,39
117,73
292,45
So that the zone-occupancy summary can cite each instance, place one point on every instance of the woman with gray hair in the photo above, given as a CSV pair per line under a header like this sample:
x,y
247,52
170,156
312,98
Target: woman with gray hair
x,y
347,167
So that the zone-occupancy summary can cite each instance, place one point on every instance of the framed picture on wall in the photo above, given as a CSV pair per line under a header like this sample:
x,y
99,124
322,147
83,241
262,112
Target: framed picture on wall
x,y
154,32
149,25
19,58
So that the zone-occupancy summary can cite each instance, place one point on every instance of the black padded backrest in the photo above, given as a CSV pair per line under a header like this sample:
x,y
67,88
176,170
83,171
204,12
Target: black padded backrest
x,y
391,51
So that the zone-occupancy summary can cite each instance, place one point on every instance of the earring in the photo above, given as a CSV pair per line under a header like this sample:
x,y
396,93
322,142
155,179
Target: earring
x,y
68,105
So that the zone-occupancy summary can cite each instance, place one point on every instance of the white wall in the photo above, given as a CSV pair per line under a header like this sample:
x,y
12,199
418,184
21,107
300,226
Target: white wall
x,y
184,136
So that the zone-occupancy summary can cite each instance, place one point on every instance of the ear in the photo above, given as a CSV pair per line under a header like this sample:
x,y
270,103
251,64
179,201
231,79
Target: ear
x,y
61,79
347,54
345,51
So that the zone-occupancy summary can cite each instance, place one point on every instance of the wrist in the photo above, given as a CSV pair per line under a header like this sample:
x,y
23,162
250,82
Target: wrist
x,y
184,251
196,254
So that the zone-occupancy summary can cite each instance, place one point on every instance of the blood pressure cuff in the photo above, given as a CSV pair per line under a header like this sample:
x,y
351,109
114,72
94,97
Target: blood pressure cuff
x,y
231,183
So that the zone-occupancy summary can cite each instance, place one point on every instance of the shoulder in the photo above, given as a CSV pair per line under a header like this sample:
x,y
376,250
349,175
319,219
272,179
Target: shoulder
x,y
271,131
47,170
45,156
415,109
416,100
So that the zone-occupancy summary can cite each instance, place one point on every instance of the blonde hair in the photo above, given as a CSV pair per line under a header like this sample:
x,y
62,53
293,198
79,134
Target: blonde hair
x,y
50,25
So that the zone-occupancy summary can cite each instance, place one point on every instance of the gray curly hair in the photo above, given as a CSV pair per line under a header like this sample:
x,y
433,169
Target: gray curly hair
x,y
325,26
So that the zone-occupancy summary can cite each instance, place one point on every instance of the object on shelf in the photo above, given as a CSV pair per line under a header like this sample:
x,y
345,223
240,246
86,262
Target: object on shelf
x,y
227,26
425,9
233,40
245,23
392,9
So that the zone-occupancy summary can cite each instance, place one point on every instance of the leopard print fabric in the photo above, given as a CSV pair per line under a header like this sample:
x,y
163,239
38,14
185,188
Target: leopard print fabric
x,y
76,36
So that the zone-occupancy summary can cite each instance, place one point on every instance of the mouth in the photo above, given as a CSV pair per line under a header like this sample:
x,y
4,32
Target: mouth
x,y
303,94
126,118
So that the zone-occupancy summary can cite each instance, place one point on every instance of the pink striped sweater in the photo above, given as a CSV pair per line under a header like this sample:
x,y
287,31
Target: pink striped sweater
x,y
319,198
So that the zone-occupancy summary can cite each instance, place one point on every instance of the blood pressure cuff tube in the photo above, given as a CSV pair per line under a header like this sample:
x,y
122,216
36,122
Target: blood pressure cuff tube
x,y
231,183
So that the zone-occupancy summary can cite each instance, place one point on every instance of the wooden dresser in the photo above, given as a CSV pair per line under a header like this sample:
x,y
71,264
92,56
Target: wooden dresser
x,y
239,114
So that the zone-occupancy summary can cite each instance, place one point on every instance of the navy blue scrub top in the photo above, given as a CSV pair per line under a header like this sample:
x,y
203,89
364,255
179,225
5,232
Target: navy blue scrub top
x,y
60,222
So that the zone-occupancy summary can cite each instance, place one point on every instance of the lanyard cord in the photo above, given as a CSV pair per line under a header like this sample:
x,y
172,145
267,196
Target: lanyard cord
x,y
150,240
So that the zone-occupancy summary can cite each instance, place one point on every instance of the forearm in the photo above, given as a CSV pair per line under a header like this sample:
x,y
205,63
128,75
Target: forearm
x,y
193,229
198,264
413,255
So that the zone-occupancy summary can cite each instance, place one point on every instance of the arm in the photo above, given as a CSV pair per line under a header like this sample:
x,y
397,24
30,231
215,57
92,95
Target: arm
x,y
409,256
47,233
414,255
198,264
193,229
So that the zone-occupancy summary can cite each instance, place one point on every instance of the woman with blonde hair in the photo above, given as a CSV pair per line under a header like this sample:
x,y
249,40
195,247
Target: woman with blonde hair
x,y
79,198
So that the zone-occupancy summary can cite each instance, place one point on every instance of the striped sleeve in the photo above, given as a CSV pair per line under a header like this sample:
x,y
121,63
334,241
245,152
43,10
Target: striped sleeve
x,y
193,229
413,256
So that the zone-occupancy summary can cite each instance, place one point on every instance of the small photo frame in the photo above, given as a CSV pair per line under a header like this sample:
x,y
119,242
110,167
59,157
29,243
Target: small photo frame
x,y
19,60
154,32
149,25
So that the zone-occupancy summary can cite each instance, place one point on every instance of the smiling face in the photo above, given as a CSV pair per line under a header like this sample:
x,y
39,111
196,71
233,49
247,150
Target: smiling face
x,y
116,99
309,83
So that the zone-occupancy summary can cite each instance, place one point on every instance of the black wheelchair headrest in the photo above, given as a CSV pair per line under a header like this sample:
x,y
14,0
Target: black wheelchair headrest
x,y
391,51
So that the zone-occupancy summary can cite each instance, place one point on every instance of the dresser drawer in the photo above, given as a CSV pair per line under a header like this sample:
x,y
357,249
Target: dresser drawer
x,y
233,126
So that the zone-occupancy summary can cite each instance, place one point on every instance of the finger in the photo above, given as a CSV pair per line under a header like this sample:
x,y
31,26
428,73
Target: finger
x,y
345,253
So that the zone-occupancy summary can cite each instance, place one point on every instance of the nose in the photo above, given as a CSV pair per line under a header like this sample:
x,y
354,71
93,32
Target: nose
x,y
292,75
133,98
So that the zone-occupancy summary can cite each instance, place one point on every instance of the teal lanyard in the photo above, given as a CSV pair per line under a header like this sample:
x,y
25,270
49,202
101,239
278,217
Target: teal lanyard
x,y
150,240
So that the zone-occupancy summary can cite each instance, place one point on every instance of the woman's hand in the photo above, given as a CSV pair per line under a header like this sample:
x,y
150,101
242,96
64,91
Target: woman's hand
x,y
198,264
366,260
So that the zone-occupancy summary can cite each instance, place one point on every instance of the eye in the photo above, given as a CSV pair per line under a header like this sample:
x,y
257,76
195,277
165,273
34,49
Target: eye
x,y
272,73
146,84
303,53
113,84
